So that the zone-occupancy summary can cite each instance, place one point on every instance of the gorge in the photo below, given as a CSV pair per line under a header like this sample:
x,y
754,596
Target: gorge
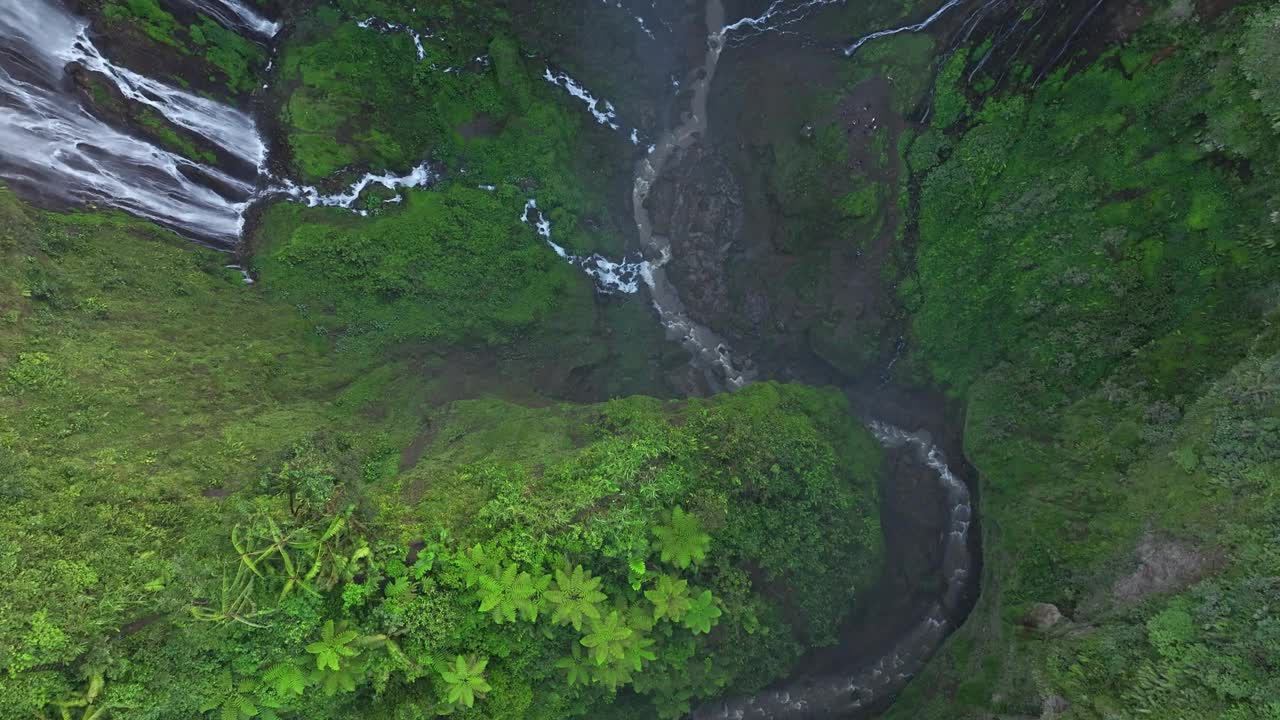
x,y
675,404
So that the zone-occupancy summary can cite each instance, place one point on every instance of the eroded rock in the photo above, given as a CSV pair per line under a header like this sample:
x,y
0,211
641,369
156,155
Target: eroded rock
x,y
1163,565
1042,616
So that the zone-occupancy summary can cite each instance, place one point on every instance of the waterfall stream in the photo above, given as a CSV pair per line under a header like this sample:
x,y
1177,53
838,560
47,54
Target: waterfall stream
x,y
52,143
849,689
235,15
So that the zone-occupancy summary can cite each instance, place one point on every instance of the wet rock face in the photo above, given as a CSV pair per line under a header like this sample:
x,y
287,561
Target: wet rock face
x,y
697,204
912,509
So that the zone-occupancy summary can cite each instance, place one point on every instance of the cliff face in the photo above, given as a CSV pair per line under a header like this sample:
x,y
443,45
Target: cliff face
x,y
1095,278
1073,229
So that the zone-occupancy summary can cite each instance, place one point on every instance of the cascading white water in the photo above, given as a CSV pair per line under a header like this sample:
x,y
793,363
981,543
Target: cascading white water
x,y
421,176
853,47
610,277
235,15
53,145
223,125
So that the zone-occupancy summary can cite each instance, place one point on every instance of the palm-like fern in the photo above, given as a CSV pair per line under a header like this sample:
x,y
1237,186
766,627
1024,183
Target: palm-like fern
x,y
682,542
607,639
577,668
670,598
334,645
344,679
465,681
576,596
703,613
238,700
511,591
286,679
637,649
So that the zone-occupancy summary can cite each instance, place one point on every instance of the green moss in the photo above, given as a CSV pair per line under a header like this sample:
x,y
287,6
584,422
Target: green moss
x,y
143,382
861,203
160,128
1086,287
453,264
950,102
233,55
153,20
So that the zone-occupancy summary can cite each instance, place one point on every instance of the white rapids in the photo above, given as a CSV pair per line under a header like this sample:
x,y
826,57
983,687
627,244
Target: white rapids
x,y
610,277
225,126
52,144
235,15
385,26
853,47
420,176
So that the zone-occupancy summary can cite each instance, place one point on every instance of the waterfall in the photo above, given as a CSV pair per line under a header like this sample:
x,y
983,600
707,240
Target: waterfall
x,y
235,15
852,48
225,126
53,145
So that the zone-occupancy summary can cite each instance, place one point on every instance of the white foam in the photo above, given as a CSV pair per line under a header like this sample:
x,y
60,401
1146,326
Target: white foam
x,y
610,277
420,176
602,110
853,47
386,26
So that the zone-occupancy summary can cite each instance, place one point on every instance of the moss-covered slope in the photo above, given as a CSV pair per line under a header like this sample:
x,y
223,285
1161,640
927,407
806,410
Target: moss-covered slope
x,y
1097,278
208,510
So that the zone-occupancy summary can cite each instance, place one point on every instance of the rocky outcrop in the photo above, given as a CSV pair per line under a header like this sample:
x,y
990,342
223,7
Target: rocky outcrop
x,y
1042,616
697,204
1163,565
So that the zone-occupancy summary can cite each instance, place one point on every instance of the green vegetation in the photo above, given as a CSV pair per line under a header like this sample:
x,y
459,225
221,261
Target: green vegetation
x,y
148,16
164,133
234,59
210,511
360,97
231,54
353,488
450,265
1096,279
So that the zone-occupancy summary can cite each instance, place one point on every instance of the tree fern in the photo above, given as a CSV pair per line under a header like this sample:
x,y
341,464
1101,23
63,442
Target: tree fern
x,y
333,645
511,591
475,564
703,613
344,679
237,700
607,639
577,668
464,681
682,542
285,678
576,596
670,598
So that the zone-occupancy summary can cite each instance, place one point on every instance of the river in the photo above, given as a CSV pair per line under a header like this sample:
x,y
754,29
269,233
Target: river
x,y
55,146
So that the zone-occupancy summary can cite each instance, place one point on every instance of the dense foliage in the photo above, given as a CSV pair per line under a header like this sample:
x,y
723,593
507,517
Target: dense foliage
x,y
451,265
1096,277
304,498
234,59
209,513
